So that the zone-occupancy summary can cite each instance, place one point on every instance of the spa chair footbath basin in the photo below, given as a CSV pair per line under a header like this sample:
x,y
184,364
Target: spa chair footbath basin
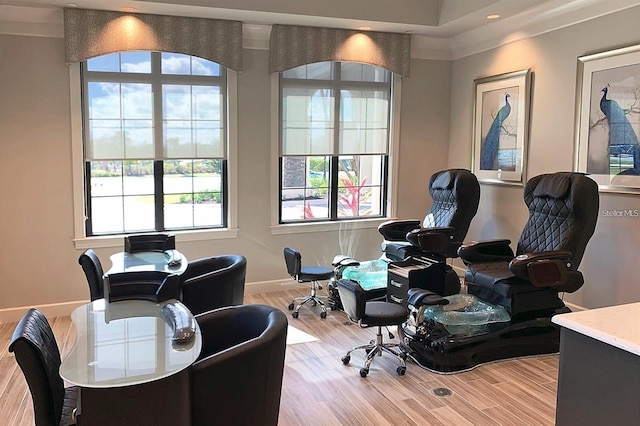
x,y
438,337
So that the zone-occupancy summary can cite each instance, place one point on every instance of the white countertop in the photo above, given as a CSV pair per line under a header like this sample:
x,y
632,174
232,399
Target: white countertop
x,y
618,326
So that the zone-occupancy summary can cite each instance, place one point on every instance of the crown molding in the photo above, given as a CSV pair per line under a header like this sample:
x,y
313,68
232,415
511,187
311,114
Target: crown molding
x,y
549,16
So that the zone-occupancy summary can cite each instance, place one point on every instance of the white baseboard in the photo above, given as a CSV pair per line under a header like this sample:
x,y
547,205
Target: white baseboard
x,y
270,286
50,310
64,309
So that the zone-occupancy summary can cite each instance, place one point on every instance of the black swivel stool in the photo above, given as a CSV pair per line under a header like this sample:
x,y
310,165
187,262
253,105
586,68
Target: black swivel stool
x,y
306,274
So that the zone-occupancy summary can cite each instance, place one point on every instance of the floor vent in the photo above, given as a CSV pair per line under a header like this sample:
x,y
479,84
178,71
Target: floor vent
x,y
442,392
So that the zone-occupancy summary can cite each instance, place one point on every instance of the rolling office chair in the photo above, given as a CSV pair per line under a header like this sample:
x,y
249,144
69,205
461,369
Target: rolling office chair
x,y
456,195
149,242
37,354
213,282
156,286
306,274
371,314
93,271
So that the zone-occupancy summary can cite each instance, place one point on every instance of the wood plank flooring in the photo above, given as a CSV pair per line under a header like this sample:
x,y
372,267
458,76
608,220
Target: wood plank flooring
x,y
319,390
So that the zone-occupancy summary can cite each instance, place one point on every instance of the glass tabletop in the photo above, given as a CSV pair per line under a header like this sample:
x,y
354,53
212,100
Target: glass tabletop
x,y
124,343
170,261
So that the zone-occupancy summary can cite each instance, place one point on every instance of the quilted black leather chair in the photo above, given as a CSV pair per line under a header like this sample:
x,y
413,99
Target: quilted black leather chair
x,y
37,354
456,195
238,378
563,209
156,286
213,282
149,242
93,271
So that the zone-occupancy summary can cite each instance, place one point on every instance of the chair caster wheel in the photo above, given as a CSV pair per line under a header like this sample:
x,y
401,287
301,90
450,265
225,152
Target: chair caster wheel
x,y
294,314
364,372
345,359
399,370
323,314
291,306
319,287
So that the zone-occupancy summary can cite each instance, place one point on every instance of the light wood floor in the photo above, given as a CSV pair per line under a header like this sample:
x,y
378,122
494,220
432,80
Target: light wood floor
x,y
319,390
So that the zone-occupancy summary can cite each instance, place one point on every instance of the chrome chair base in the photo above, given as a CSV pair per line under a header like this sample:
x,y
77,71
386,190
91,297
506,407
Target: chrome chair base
x,y
313,297
376,347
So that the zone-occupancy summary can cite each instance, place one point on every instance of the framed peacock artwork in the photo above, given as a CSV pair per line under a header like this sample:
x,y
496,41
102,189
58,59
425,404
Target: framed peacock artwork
x,y
500,127
608,119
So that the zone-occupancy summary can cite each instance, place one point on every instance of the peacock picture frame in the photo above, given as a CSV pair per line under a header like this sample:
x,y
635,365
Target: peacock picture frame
x,y
608,119
501,127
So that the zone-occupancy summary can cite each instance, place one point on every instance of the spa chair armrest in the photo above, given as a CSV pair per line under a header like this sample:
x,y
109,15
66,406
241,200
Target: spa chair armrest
x,y
396,230
486,251
434,240
544,269
417,297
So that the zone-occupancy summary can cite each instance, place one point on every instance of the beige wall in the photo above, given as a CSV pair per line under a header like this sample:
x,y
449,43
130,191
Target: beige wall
x,y
608,264
37,253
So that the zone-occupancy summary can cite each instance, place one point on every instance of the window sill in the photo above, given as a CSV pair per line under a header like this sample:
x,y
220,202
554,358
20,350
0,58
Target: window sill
x,y
348,225
181,236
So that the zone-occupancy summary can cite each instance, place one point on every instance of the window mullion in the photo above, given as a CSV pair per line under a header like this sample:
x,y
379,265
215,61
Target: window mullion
x,y
158,137
337,95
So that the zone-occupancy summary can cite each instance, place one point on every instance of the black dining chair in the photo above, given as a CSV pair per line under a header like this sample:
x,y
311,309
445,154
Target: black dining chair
x,y
93,271
149,242
237,380
156,286
213,282
306,274
37,354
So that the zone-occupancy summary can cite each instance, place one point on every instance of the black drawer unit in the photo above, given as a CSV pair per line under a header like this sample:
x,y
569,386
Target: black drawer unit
x,y
417,272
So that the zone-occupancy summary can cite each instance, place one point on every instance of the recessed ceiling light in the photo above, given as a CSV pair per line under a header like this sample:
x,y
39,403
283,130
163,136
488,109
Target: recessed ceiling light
x,y
364,28
129,9
72,4
494,16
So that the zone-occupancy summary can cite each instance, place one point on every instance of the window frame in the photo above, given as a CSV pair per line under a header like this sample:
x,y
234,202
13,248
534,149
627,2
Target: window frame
x,y
82,240
278,228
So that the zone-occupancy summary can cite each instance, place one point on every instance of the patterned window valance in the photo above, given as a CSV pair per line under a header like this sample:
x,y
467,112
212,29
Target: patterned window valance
x,y
90,33
292,46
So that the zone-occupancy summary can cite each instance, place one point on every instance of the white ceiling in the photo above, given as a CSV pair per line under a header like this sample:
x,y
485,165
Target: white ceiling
x,y
443,29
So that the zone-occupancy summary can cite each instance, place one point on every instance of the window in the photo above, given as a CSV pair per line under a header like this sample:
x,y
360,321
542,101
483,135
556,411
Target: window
x,y
334,142
155,143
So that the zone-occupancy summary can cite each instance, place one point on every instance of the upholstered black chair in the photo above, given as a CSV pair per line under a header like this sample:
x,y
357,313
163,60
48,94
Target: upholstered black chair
x,y
563,209
455,195
213,282
93,271
156,286
37,354
306,274
371,314
149,242
238,376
